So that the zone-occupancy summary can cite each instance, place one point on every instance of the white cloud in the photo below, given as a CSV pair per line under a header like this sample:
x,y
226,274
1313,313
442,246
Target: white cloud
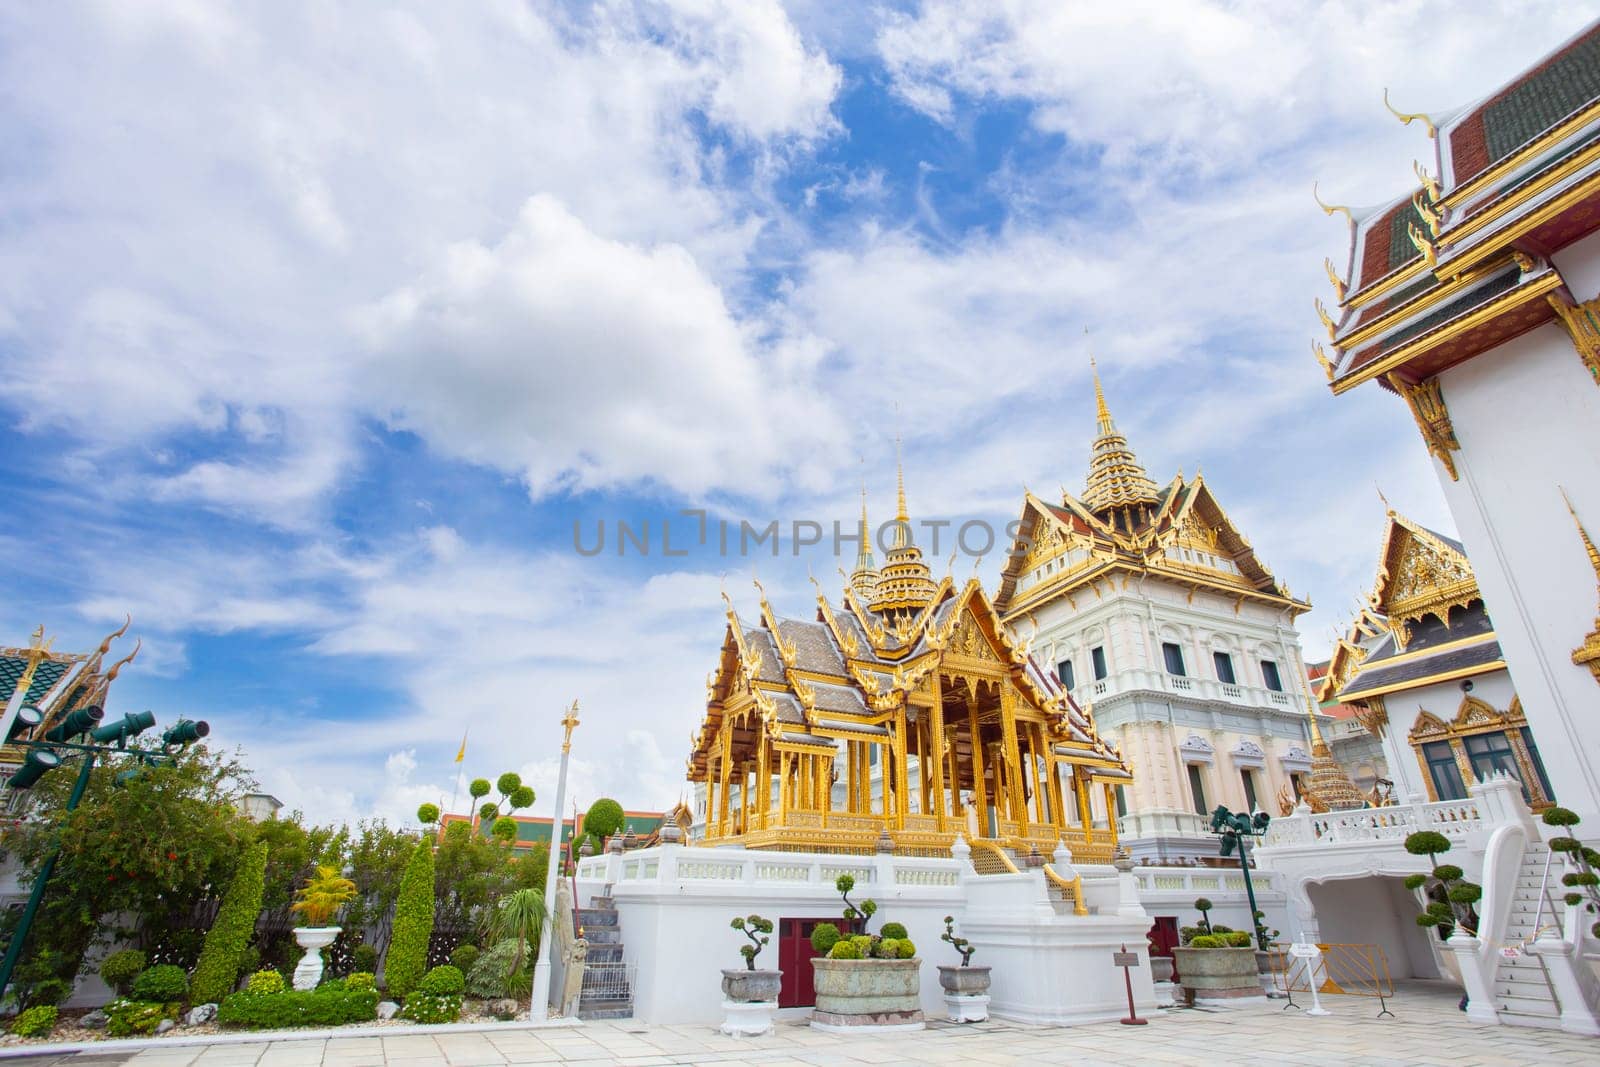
x,y
581,362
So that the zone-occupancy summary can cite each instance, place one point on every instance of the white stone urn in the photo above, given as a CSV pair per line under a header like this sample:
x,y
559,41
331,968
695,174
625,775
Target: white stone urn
x,y
749,1001
313,939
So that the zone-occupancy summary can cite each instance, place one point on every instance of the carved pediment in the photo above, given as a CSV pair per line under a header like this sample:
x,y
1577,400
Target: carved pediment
x,y
1428,727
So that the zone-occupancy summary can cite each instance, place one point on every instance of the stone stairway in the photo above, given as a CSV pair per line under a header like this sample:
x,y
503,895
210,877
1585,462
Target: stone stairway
x,y
607,990
1522,988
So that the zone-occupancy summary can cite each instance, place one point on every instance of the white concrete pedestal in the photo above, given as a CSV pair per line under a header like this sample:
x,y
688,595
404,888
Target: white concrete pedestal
x,y
1166,994
967,1007
748,1018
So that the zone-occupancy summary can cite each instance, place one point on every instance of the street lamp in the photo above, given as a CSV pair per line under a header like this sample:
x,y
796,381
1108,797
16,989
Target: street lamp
x,y
46,754
547,947
1237,831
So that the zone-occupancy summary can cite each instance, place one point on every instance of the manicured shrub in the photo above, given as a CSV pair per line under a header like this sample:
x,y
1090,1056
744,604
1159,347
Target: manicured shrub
x,y
126,1018
1560,817
47,992
413,923
360,982
36,1022
120,969
1427,843
603,819
217,972
862,942
464,957
845,950
327,1005
364,957
442,981
754,927
491,977
264,982
1236,939
823,937
437,998
1415,881
894,930
1448,872
165,982
908,948
1209,941
886,948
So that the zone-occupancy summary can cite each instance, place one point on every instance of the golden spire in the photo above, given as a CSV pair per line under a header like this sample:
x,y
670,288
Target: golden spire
x,y
905,582
1329,784
1116,478
865,576
1588,653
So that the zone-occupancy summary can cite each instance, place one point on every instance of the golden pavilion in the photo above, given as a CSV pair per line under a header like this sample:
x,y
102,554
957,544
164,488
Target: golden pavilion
x,y
899,719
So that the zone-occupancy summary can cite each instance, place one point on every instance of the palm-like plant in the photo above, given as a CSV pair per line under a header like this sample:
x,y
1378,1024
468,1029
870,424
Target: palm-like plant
x,y
320,899
519,915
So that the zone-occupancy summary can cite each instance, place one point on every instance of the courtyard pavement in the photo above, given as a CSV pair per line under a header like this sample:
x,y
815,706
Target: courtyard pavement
x,y
1427,1030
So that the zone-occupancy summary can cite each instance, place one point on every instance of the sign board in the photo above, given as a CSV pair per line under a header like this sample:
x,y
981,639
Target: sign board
x,y
1510,952
1125,959
1302,951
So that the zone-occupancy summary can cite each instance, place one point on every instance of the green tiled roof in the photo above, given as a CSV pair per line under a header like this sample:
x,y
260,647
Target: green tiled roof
x,y
1528,109
1459,306
12,669
1401,250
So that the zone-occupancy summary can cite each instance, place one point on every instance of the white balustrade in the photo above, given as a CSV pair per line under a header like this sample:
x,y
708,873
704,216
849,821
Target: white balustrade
x,y
1453,818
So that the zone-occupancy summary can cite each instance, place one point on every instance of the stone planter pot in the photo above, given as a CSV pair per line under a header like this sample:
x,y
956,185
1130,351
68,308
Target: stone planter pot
x,y
1161,968
313,939
1211,974
750,987
855,995
963,981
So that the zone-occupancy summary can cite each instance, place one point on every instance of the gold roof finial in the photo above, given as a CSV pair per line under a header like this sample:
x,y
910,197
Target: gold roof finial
x,y
1329,209
1406,120
1116,477
900,482
1101,413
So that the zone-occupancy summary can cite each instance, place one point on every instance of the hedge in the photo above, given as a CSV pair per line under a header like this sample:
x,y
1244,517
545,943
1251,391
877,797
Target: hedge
x,y
413,923
164,982
36,1022
328,1005
218,970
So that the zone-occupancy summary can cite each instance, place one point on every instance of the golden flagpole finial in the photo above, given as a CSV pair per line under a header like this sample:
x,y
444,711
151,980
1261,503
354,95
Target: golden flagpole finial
x,y
1408,119
569,721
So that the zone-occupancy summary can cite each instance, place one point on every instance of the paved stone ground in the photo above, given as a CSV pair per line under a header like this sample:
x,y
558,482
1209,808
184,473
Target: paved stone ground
x,y
1428,1030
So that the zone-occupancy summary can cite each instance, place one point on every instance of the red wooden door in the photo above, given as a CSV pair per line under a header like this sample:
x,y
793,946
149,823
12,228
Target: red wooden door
x,y
794,959
1164,938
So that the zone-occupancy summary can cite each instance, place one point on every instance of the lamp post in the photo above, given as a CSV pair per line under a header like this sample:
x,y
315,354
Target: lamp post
x,y
1237,831
547,946
45,755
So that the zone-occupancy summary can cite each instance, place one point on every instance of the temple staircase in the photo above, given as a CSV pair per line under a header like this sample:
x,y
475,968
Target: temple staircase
x,y
607,981
1523,993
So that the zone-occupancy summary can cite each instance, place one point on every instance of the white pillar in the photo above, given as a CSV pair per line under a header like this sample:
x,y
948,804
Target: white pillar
x,y
1576,1018
539,1005
1480,998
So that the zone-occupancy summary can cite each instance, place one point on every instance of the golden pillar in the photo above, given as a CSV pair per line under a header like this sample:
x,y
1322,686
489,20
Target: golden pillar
x,y
936,746
979,792
783,787
1085,810
1013,758
724,762
1111,810
711,795
902,793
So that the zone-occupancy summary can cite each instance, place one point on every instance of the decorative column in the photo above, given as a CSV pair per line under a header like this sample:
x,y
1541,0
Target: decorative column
x,y
1018,809
538,1006
902,796
724,762
1085,810
979,792
783,788
936,739
1111,810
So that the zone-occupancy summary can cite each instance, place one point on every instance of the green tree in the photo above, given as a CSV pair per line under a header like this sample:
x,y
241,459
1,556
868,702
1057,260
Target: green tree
x,y
218,970
148,850
603,819
294,850
413,923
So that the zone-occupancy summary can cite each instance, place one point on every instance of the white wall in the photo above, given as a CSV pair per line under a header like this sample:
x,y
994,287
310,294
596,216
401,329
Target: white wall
x,y
1376,911
1527,415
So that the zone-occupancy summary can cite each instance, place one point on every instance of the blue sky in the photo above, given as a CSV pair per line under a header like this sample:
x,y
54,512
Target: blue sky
x,y
323,324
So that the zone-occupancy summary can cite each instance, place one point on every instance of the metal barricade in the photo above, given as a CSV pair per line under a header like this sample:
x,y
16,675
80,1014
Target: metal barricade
x,y
1341,970
608,982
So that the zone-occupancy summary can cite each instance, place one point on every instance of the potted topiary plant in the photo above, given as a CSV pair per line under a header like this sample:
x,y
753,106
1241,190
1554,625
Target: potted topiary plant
x,y
865,980
1451,896
1214,962
1583,884
750,996
317,902
966,988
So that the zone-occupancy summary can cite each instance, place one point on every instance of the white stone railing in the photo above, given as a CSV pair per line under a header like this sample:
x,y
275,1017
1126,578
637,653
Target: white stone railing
x,y
1193,880
1453,818
1191,686
678,863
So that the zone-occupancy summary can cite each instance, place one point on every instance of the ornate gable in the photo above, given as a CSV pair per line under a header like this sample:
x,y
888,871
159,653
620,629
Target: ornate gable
x,y
1420,573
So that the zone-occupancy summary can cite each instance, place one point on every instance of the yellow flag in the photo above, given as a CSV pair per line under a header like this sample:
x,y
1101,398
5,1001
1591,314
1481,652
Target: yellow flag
x,y
462,753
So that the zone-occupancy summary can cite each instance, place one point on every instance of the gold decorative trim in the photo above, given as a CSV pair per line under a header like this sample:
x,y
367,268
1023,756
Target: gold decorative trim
x,y
1521,196
1532,150
1588,653
1475,717
1427,406
1583,326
